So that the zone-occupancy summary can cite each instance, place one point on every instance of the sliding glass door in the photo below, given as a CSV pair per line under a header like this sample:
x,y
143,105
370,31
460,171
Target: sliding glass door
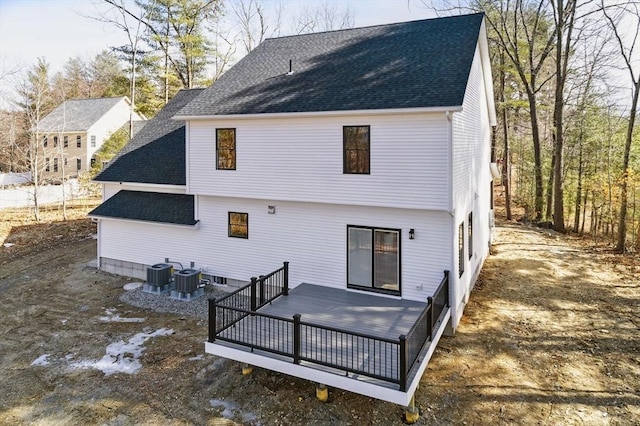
x,y
373,259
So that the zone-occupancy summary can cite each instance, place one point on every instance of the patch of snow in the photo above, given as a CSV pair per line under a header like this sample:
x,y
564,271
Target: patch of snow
x,y
229,408
132,286
197,357
113,317
121,356
69,357
64,321
42,360
7,245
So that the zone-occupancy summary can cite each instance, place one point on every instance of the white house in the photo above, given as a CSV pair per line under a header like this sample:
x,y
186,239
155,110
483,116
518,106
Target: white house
x,y
76,129
361,158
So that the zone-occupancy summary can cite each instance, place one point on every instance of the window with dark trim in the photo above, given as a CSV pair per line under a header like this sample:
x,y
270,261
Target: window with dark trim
x,y
45,141
66,163
79,141
470,232
226,149
373,259
55,141
78,164
55,164
65,141
238,225
356,149
47,167
461,249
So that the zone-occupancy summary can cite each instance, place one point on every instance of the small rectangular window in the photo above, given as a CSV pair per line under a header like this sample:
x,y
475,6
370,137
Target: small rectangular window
x,y
78,164
66,163
356,149
470,232
46,165
65,142
45,141
239,225
79,141
93,141
226,149
461,249
55,164
55,141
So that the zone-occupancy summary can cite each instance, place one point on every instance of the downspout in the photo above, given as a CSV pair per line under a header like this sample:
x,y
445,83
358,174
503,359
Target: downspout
x,y
454,277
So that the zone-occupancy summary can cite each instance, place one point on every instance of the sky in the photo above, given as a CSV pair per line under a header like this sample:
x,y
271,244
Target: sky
x,y
59,29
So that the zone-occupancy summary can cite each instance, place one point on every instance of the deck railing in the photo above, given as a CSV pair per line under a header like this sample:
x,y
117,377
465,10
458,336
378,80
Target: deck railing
x,y
328,346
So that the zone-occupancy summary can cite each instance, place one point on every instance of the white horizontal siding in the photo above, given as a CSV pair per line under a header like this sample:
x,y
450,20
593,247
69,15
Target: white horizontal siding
x,y
111,189
471,153
301,159
312,237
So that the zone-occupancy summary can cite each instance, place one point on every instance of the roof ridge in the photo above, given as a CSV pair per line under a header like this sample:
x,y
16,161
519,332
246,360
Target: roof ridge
x,y
374,26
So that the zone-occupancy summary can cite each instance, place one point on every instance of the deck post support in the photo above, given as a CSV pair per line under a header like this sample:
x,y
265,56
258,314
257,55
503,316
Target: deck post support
x,y
430,318
212,319
247,369
411,413
296,338
322,392
285,289
254,281
403,363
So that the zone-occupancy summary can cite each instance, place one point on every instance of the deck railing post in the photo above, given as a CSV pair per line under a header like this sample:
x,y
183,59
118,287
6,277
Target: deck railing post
x,y
261,290
296,338
430,317
403,363
285,289
253,294
212,319
446,293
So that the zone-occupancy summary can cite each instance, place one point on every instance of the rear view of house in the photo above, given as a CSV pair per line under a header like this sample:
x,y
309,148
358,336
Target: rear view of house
x,y
342,181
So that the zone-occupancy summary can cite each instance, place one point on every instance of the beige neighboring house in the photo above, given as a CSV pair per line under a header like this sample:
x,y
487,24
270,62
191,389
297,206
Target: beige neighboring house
x,y
72,133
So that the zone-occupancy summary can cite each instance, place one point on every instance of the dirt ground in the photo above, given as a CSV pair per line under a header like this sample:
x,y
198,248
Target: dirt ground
x,y
550,336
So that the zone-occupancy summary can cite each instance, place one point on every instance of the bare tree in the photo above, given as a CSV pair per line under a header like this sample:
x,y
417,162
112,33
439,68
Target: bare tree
x,y
326,16
618,15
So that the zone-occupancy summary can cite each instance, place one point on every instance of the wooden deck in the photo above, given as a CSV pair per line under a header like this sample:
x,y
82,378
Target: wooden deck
x,y
351,311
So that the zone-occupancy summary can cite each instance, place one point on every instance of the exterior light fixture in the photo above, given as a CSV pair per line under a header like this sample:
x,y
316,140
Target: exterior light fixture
x,y
412,233
271,209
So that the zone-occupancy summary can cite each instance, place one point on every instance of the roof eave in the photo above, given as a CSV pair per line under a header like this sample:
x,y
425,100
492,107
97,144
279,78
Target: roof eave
x,y
389,111
180,225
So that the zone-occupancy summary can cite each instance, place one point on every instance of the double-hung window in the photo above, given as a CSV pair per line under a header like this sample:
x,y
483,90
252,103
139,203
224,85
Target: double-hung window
x,y
65,141
226,149
373,259
470,232
79,141
356,149
93,141
461,249
239,225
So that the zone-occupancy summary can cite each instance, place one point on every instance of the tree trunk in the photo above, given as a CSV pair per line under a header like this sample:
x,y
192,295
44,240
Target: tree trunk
x,y
576,219
537,158
548,212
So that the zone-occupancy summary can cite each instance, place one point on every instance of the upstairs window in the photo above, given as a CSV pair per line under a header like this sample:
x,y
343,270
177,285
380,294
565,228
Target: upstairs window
x,y
46,165
55,164
55,141
461,249
65,141
79,142
93,141
78,163
66,163
45,141
226,149
239,225
356,156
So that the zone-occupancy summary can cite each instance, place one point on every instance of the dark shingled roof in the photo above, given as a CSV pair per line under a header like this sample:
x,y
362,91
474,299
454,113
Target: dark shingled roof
x,y
148,206
405,65
77,114
156,154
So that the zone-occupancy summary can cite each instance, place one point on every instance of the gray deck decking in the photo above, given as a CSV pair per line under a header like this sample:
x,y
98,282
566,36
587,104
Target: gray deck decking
x,y
356,312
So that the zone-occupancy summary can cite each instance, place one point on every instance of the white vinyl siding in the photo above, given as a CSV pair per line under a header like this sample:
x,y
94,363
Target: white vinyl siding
x,y
471,153
312,237
110,189
301,159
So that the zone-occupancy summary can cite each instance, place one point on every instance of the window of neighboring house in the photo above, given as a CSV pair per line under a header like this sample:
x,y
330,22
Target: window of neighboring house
x,y
46,164
45,141
93,162
79,141
373,259
78,164
356,147
239,225
55,141
470,232
55,164
461,249
226,149
93,141
66,163
65,141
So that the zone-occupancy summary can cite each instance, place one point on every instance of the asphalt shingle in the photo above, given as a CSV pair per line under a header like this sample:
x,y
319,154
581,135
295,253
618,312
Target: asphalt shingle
x,y
156,154
148,206
405,65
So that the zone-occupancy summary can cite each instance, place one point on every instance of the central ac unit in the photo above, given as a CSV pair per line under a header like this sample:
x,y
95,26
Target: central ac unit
x,y
187,280
159,274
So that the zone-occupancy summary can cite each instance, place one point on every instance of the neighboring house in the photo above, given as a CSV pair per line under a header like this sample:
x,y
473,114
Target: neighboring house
x,y
72,133
359,157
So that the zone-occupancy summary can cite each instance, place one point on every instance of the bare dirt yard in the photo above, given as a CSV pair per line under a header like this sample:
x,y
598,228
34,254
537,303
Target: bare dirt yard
x,y
551,335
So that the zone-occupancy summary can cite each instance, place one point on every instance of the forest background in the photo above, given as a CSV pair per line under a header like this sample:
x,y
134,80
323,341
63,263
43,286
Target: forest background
x,y
566,83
